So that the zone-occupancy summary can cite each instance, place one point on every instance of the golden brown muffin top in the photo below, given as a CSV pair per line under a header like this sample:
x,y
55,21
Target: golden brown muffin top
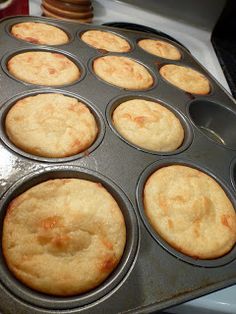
x,y
64,236
191,211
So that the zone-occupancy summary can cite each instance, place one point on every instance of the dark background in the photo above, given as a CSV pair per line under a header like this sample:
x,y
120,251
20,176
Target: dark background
x,y
224,42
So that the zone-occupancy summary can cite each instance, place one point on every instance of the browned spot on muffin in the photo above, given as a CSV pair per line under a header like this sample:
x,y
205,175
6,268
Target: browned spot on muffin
x,y
108,264
224,221
170,223
52,71
32,40
50,222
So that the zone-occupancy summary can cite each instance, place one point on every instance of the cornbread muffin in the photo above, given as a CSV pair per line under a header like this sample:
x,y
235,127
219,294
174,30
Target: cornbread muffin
x,y
51,125
63,237
43,68
160,48
190,211
123,72
148,124
39,33
105,40
185,78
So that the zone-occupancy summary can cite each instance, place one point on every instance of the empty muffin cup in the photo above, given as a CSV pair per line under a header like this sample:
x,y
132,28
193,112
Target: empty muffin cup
x,y
215,121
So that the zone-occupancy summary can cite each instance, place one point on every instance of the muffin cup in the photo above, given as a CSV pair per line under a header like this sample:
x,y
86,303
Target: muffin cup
x,y
70,56
97,115
80,34
188,134
223,260
215,121
116,278
65,29
90,65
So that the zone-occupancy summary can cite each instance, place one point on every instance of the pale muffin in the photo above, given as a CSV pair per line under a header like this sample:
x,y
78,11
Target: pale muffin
x,y
185,78
43,68
148,125
123,72
160,48
39,33
105,40
63,237
191,211
51,125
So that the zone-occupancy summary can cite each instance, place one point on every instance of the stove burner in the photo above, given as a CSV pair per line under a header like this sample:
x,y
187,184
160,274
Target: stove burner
x,y
142,28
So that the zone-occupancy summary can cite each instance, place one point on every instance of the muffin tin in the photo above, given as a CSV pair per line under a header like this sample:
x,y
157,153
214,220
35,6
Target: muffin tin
x,y
151,275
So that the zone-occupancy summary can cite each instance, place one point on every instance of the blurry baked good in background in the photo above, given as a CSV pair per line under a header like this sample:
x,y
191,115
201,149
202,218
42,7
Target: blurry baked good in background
x,y
71,10
160,48
186,79
105,40
39,33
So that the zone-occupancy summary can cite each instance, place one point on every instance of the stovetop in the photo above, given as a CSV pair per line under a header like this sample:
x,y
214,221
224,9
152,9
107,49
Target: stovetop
x,y
224,42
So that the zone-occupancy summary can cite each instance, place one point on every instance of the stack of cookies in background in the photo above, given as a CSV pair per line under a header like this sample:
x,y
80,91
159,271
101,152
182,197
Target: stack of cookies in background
x,y
70,10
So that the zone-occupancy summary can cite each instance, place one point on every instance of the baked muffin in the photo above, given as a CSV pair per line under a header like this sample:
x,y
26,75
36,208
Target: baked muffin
x,y
123,72
160,48
190,210
148,125
43,68
51,125
39,33
105,40
185,78
64,236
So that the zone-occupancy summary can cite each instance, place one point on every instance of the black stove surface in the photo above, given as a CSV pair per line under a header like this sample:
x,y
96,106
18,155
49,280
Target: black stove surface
x,y
224,42
142,28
